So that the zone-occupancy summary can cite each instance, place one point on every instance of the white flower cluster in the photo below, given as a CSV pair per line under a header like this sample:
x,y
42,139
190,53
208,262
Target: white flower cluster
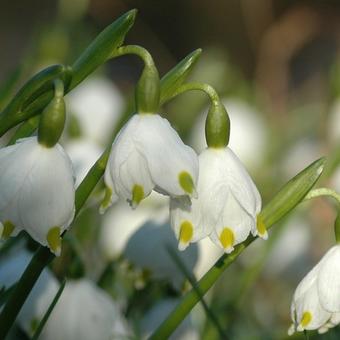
x,y
211,195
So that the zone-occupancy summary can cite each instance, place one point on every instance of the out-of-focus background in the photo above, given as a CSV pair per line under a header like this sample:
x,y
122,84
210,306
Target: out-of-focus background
x,y
276,64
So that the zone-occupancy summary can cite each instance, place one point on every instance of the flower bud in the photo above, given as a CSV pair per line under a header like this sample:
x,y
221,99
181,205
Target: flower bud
x,y
217,126
148,90
52,120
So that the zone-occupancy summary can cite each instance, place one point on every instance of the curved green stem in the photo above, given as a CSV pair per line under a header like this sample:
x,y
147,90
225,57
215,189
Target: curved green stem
x,y
322,192
139,51
197,86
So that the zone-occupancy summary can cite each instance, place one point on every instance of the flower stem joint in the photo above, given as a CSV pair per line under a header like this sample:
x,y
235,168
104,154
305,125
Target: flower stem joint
x,y
52,119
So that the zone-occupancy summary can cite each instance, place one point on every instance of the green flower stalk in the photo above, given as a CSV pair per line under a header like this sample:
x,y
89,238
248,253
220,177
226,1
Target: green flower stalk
x,y
53,117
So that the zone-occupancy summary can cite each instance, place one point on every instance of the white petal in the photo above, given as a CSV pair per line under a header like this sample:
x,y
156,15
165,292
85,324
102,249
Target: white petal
x,y
127,166
241,184
46,198
235,219
309,303
329,281
166,154
186,220
15,162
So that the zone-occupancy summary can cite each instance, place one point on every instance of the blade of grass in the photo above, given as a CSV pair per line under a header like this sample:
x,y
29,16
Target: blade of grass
x,y
191,278
49,311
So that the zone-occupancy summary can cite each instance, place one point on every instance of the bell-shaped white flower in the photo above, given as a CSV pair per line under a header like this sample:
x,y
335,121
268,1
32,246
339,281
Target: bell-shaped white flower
x,y
227,206
84,311
148,154
37,191
316,301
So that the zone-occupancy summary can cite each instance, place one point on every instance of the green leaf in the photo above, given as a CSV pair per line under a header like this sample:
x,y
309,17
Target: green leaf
x,y
48,312
39,86
177,75
292,193
283,202
99,51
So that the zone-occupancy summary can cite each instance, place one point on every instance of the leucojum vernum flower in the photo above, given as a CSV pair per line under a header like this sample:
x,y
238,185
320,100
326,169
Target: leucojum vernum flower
x,y
148,154
228,201
211,195
37,182
316,301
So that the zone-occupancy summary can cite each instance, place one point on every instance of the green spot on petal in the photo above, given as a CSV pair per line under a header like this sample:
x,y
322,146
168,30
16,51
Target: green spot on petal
x,y
260,226
106,200
137,195
306,319
186,231
7,230
186,182
227,238
54,240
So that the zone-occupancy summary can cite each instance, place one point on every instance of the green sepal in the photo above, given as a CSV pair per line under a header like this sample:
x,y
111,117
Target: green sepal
x,y
217,126
148,90
292,193
100,50
52,120
172,80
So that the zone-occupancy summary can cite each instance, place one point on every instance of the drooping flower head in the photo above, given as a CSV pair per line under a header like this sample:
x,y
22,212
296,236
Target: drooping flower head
x,y
316,301
148,154
37,182
228,201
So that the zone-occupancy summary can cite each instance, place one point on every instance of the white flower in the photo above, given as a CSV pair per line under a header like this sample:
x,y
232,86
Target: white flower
x,y
148,154
316,301
85,312
227,206
97,105
120,223
83,154
37,191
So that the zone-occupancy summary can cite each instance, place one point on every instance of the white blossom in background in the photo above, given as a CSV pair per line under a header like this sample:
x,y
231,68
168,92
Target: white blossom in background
x,y
97,104
148,154
158,313
37,191
120,222
316,301
83,153
300,155
85,312
248,133
292,246
42,294
227,207
147,249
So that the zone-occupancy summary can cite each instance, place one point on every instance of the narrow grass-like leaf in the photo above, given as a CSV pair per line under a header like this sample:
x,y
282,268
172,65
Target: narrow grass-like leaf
x,y
102,47
48,312
190,277
172,80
